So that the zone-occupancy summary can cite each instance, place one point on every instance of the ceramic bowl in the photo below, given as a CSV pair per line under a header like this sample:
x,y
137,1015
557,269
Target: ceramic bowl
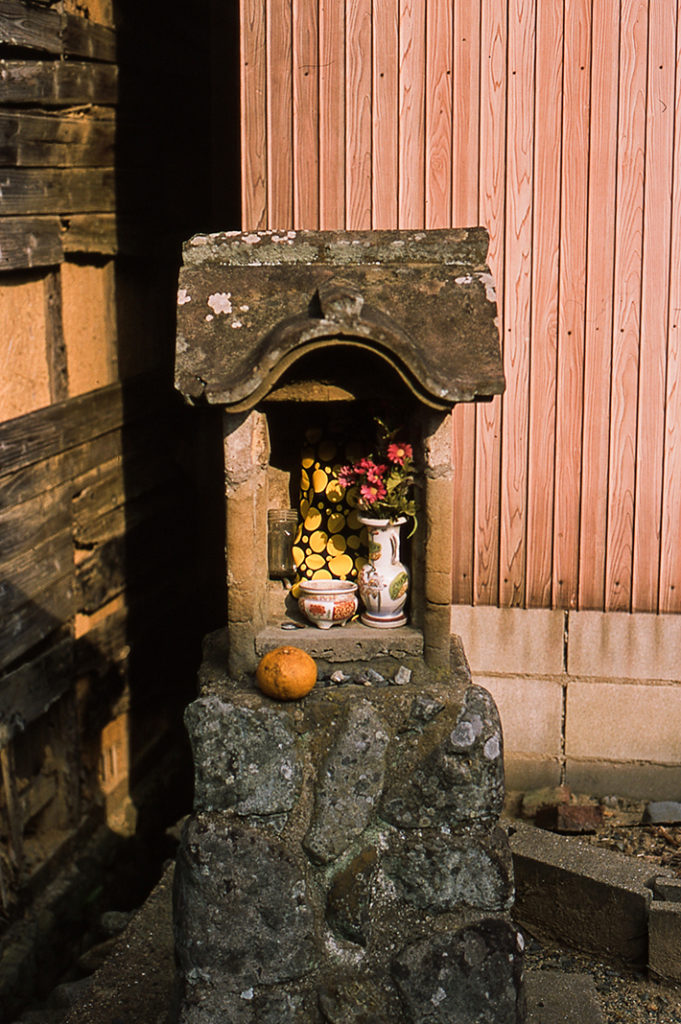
x,y
328,602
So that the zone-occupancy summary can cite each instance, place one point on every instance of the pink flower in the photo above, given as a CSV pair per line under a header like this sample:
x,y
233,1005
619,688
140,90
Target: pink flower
x,y
372,492
399,453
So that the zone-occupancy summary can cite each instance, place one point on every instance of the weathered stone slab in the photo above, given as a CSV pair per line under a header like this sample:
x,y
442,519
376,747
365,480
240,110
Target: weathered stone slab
x,y
471,977
439,872
350,783
229,873
664,940
244,759
348,906
453,773
251,302
586,896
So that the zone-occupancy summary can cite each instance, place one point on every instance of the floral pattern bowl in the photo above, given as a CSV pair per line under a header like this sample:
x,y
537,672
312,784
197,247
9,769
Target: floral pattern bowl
x,y
328,603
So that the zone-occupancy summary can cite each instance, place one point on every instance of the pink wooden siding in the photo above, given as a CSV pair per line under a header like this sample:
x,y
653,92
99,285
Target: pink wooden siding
x,y
557,124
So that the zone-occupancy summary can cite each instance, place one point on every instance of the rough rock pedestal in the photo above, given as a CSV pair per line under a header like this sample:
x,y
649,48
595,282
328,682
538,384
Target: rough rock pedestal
x,y
343,862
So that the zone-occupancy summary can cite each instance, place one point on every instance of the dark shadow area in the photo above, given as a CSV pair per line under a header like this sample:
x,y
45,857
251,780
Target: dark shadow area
x,y
177,159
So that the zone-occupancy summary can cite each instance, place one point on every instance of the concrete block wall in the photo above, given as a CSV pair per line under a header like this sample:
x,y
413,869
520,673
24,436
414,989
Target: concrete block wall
x,y
586,698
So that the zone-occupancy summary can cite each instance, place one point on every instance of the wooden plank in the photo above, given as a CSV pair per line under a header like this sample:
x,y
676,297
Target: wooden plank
x,y
464,168
29,242
358,115
517,293
27,574
654,306
30,139
411,149
599,290
670,549
30,690
571,310
331,116
23,527
116,483
438,116
16,824
253,120
279,115
57,83
29,27
544,312
493,34
32,622
305,115
42,476
102,233
384,159
465,160
84,38
99,529
627,303
49,190
46,432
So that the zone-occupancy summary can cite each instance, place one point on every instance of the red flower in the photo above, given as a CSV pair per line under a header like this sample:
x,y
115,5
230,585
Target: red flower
x,y
399,453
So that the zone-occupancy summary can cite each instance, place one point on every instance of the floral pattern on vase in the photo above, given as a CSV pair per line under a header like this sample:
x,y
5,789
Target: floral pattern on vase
x,y
384,580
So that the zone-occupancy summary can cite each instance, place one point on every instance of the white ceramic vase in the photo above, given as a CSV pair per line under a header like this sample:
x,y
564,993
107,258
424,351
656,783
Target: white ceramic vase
x,y
384,580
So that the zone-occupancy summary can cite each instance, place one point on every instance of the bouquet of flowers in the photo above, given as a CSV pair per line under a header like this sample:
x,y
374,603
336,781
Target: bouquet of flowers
x,y
384,483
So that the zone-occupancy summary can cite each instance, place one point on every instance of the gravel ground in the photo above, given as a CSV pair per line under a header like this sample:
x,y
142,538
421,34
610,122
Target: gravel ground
x,y
626,997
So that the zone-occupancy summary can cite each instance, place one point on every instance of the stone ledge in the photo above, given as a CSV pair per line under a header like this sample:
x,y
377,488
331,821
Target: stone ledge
x,y
353,642
588,897
556,997
664,940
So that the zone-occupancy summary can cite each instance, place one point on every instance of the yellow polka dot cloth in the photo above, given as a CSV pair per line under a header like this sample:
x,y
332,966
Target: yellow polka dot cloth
x,y
330,542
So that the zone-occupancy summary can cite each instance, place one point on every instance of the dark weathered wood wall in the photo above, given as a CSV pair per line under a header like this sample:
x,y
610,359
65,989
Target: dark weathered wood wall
x,y
102,537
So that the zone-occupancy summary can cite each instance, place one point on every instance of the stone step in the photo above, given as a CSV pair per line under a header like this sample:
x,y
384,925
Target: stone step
x,y
559,997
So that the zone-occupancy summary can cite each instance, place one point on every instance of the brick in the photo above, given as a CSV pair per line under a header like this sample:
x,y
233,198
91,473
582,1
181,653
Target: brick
x,y
615,778
585,896
664,940
623,722
89,320
511,641
623,646
531,713
24,379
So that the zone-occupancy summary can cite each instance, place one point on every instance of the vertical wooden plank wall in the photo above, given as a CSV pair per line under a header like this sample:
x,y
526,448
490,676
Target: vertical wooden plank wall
x,y
557,125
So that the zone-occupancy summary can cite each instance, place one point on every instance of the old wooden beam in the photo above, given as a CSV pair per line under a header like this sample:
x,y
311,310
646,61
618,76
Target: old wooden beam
x,y
83,139
29,27
16,825
84,38
91,232
30,690
54,338
53,430
30,242
57,83
28,191
34,621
